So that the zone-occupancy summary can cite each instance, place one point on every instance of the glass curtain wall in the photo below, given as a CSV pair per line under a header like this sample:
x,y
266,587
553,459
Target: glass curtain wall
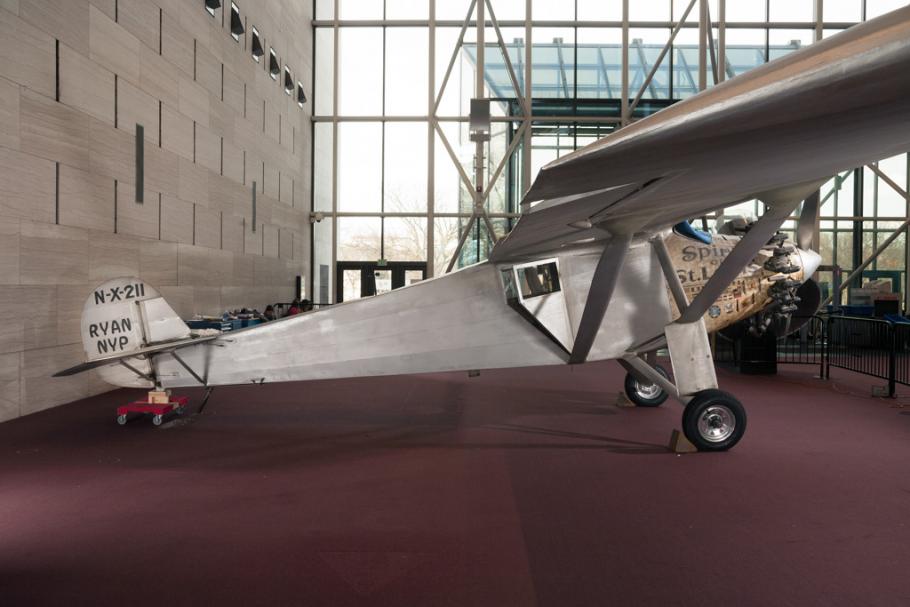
x,y
393,165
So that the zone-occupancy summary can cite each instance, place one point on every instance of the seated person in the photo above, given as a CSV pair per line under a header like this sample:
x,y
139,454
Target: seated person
x,y
294,309
269,313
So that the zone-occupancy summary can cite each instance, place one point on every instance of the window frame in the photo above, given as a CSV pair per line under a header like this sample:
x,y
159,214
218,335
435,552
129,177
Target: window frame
x,y
548,265
256,44
273,60
235,11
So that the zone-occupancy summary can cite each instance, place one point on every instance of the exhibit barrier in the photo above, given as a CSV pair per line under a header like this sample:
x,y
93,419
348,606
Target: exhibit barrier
x,y
805,346
861,345
901,353
873,347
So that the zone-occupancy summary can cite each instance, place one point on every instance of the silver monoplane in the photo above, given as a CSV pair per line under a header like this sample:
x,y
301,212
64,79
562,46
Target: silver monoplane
x,y
592,270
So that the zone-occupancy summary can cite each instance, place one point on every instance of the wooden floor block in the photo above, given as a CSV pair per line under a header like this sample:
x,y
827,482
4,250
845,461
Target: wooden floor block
x,y
623,401
680,444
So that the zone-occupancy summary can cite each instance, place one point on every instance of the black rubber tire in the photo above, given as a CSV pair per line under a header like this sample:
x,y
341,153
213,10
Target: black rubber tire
x,y
699,404
638,399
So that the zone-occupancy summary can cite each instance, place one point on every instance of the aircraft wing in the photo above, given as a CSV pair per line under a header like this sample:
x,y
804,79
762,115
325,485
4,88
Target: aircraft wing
x,y
841,103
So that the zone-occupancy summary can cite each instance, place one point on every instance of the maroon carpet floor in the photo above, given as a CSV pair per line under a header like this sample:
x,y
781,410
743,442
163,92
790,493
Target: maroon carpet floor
x,y
521,487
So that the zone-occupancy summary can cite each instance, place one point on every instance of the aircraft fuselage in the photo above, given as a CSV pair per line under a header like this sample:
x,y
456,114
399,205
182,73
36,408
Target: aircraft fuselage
x,y
475,318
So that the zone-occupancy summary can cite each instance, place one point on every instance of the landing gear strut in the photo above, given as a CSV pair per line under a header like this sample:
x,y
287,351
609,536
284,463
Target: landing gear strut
x,y
713,420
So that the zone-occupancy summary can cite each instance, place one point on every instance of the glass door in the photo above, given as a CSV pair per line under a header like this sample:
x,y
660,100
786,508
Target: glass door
x,y
350,284
382,281
356,279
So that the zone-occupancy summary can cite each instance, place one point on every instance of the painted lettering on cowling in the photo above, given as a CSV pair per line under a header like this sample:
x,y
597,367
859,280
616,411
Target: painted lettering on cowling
x,y
692,252
695,264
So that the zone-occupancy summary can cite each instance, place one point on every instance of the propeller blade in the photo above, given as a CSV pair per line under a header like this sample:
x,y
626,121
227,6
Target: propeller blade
x,y
808,219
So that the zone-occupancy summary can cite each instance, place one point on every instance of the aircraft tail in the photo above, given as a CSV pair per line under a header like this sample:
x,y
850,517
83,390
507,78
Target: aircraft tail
x,y
125,315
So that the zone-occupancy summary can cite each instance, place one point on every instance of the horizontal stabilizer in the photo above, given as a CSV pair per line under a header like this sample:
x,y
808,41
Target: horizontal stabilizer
x,y
140,353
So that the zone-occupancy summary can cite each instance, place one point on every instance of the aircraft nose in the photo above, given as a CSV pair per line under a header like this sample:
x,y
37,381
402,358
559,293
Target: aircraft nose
x,y
810,260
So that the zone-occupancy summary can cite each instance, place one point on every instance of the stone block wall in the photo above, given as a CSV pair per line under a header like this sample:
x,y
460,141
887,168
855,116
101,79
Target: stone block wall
x,y
76,78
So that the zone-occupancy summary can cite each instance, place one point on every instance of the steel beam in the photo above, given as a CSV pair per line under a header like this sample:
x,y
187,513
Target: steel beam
x,y
712,51
624,112
514,23
516,139
461,241
445,80
660,58
508,61
721,40
881,248
509,119
702,45
603,71
526,151
431,144
461,172
818,15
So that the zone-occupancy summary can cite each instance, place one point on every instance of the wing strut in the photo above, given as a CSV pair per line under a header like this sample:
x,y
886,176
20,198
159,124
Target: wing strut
x,y
599,295
188,369
666,264
146,376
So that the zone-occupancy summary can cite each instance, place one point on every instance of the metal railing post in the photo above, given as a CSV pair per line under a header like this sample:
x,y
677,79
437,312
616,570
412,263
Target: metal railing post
x,y
892,366
823,328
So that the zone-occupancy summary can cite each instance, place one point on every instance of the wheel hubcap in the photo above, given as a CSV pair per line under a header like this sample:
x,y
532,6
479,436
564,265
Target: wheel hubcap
x,y
716,423
647,391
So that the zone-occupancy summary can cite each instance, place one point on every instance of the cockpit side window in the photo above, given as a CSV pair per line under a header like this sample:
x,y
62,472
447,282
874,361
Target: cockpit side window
x,y
538,280
508,284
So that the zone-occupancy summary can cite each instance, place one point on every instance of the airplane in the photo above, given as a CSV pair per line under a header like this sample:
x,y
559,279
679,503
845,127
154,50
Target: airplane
x,y
593,269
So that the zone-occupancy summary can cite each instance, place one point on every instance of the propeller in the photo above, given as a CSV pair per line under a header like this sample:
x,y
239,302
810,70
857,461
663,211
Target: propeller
x,y
808,220
791,297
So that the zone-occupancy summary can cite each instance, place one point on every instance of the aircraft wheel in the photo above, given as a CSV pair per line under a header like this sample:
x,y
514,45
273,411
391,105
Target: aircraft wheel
x,y
157,420
714,420
121,419
646,395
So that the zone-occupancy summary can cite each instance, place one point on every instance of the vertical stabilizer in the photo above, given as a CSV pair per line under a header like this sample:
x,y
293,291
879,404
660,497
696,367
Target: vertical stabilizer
x,y
122,316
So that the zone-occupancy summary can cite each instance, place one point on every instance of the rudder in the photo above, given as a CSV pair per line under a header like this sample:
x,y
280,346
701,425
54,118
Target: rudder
x,y
124,315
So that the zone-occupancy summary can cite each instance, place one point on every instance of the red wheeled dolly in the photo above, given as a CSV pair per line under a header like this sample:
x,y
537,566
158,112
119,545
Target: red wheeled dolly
x,y
158,410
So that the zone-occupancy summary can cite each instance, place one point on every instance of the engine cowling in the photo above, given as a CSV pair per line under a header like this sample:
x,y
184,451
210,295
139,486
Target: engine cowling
x,y
769,292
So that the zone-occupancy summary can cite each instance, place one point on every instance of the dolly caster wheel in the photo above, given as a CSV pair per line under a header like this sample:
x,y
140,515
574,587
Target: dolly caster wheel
x,y
646,395
714,420
121,419
157,420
